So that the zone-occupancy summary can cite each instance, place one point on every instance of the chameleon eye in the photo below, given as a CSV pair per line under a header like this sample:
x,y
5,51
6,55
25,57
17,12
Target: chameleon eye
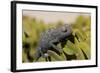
x,y
64,29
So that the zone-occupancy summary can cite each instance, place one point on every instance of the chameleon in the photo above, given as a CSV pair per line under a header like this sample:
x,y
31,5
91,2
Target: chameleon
x,y
50,38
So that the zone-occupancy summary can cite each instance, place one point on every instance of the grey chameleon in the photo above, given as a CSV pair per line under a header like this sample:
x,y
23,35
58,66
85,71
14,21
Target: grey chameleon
x,y
50,38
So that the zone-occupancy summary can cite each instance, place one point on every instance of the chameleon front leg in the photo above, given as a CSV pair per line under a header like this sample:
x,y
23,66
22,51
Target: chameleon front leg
x,y
56,48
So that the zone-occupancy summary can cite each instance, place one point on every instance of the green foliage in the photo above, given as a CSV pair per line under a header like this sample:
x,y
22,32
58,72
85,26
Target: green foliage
x,y
79,50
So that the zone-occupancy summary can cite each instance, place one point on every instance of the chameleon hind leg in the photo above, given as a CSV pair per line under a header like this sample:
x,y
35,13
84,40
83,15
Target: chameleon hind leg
x,y
37,55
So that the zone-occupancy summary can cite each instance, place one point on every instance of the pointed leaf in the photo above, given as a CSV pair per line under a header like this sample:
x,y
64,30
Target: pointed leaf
x,y
54,55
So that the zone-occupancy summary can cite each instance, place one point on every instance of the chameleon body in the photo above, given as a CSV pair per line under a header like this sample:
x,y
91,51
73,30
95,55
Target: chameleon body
x,y
50,38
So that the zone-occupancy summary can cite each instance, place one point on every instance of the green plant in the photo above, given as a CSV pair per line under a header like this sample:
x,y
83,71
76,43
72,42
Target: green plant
x,y
79,50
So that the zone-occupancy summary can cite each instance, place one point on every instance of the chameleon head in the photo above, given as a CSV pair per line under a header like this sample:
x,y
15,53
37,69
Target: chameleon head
x,y
66,29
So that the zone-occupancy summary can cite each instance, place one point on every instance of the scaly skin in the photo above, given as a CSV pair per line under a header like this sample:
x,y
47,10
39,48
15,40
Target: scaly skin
x,y
50,38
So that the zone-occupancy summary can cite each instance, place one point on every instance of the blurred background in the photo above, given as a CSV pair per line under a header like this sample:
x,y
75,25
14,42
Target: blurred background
x,y
52,16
